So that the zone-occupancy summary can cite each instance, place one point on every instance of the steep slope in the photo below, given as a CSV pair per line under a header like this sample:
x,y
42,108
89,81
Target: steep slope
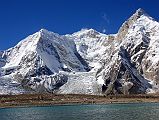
x,y
135,61
92,45
42,55
44,49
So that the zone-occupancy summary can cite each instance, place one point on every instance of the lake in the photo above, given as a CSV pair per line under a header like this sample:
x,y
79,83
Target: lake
x,y
132,111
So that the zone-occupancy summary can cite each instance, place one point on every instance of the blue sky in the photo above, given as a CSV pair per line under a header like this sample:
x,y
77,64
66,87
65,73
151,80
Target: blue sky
x,y
20,18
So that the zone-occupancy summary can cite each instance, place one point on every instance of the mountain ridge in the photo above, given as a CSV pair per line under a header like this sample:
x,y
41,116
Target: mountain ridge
x,y
87,62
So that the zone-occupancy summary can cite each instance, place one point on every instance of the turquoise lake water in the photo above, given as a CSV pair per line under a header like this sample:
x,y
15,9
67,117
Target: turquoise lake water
x,y
133,111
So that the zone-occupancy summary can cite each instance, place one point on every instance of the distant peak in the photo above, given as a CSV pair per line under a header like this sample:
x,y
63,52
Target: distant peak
x,y
43,30
140,12
127,24
86,32
86,29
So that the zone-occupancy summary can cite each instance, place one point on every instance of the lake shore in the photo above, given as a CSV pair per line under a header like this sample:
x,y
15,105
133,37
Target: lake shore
x,y
26,100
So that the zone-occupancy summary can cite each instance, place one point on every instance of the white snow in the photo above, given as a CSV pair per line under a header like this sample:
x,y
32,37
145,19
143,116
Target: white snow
x,y
81,83
100,80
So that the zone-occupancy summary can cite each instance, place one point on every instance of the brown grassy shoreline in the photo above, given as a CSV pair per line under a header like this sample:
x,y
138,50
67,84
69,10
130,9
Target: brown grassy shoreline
x,y
26,100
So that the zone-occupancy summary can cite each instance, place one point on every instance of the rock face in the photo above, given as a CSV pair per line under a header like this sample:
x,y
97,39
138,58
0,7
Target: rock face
x,y
87,62
127,24
2,59
135,59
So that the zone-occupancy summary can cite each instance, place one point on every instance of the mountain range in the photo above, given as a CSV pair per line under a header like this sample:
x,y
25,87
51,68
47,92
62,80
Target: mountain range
x,y
85,62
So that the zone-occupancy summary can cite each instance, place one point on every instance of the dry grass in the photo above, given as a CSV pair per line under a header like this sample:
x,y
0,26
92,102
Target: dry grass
x,y
53,99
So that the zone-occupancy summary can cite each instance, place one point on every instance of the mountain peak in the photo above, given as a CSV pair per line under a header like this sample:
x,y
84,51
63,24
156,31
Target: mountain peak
x,y
86,32
46,33
43,30
140,12
127,24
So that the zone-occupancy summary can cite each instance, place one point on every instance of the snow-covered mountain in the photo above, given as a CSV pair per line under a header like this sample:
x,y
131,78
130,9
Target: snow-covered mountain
x,y
85,62
132,66
92,45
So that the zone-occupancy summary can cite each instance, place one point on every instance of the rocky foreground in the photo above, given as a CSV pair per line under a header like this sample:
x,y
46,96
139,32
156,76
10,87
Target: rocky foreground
x,y
29,100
